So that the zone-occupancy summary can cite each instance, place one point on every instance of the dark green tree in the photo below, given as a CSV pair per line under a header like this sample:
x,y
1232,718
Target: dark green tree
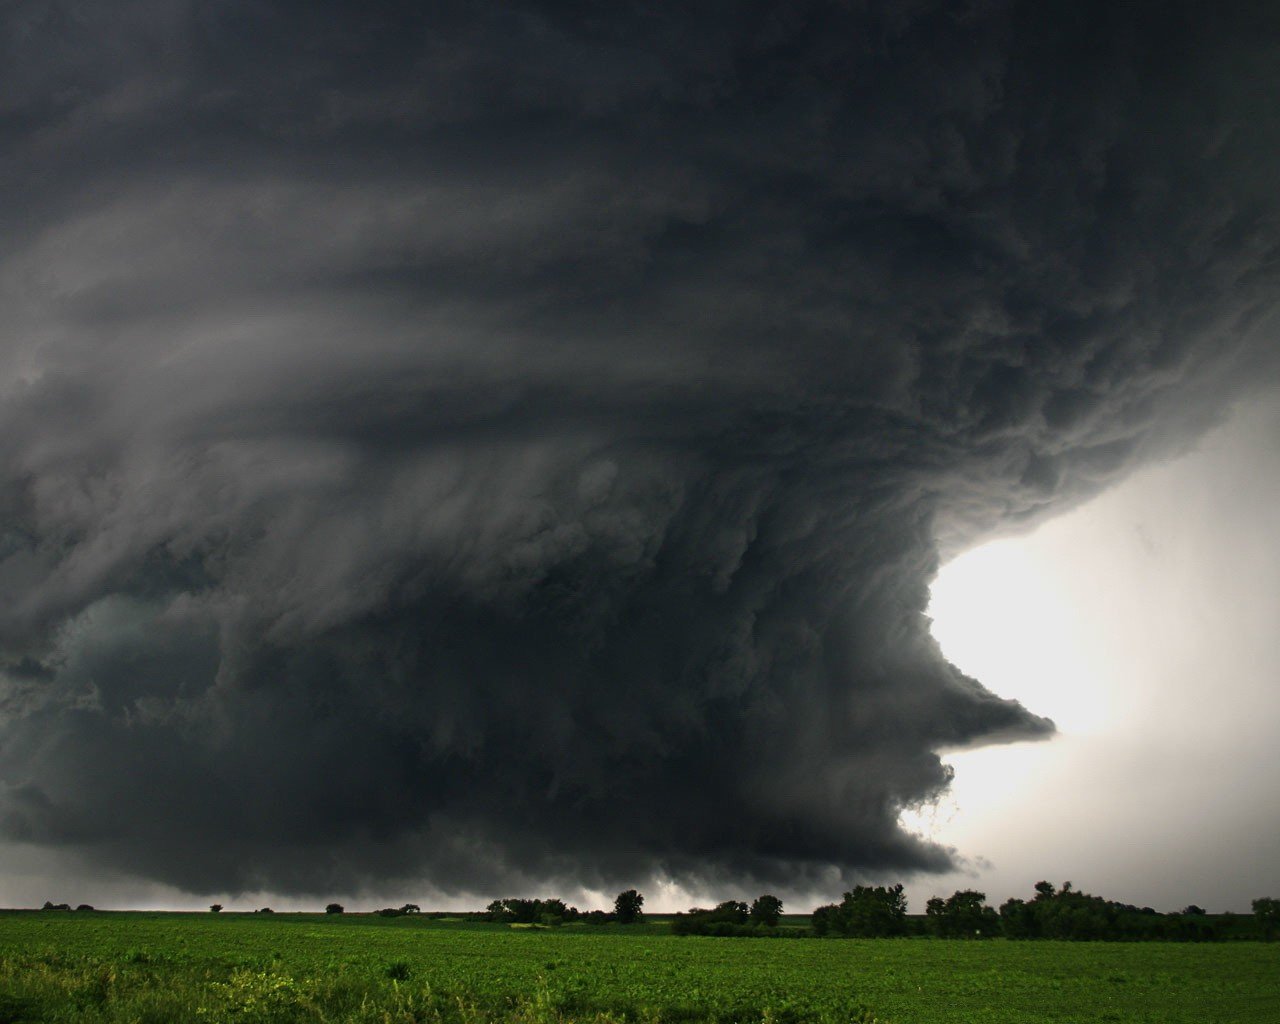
x,y
626,907
1267,910
874,911
766,910
826,920
964,914
866,911
334,908
732,911
1018,919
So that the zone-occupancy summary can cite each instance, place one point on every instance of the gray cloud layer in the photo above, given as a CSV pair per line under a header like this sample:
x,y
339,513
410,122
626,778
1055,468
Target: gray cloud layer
x,y
514,443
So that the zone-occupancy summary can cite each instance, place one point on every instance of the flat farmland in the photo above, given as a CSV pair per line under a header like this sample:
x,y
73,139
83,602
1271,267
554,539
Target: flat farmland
x,y
259,969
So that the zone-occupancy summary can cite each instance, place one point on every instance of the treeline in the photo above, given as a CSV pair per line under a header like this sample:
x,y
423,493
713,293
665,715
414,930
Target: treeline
x,y
881,912
732,917
1066,913
552,912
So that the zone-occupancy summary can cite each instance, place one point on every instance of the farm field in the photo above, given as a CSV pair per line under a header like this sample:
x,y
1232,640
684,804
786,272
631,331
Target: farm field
x,y
260,969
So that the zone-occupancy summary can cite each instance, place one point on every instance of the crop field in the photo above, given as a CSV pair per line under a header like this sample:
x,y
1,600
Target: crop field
x,y
259,969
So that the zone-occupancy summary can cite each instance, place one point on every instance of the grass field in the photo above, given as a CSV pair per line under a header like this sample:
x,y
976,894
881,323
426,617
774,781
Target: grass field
x,y
153,968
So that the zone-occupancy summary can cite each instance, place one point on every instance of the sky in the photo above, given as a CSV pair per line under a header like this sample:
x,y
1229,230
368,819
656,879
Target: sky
x,y
1143,623
485,449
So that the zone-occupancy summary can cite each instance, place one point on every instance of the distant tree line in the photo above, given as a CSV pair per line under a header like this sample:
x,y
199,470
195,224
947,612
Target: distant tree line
x,y
1066,913
881,912
626,910
733,917
523,911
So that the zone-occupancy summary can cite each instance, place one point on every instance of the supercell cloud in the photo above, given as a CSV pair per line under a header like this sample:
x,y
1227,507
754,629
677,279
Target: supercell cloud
x,y
494,444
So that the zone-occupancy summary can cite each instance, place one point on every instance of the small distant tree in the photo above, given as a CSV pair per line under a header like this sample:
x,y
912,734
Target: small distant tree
x,y
266,910
411,908
1192,910
1267,910
84,906
766,910
626,907
334,908
732,911
215,908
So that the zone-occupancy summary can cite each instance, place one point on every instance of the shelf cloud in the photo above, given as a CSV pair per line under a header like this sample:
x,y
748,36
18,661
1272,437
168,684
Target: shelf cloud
x,y
500,444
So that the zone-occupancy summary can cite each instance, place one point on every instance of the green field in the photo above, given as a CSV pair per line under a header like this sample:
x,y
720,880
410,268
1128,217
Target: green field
x,y
152,968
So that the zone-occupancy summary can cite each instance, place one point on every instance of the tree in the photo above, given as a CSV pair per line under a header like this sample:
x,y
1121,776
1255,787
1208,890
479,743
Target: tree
x,y
766,910
334,908
866,911
215,908
732,912
551,911
1267,911
1018,919
727,918
874,911
964,914
826,920
627,906
411,908
1191,910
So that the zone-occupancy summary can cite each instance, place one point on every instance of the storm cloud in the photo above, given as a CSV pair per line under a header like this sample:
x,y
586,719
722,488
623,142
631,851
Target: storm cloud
x,y
513,443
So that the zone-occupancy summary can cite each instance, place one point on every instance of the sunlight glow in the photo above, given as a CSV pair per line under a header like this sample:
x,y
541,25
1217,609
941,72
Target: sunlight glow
x,y
1000,616
1143,623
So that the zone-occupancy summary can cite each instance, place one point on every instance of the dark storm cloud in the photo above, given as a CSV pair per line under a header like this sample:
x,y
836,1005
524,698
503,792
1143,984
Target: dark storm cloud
x,y
514,443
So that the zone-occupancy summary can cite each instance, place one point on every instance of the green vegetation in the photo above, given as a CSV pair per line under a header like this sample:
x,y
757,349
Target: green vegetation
x,y
866,911
271,969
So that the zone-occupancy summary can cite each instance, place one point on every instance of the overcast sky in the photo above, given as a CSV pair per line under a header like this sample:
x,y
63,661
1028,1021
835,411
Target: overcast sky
x,y
480,449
